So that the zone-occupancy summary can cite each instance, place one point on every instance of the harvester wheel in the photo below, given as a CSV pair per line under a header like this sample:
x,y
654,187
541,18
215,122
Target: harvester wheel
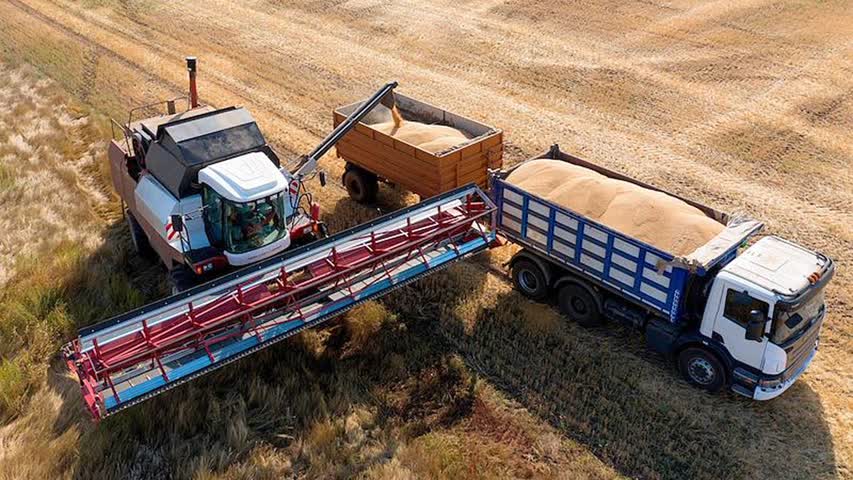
x,y
137,236
181,279
361,185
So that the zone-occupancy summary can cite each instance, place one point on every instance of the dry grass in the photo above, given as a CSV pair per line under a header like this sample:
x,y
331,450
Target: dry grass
x,y
743,105
369,396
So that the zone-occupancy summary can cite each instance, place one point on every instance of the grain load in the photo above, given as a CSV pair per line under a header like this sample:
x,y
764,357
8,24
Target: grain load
x,y
656,218
432,138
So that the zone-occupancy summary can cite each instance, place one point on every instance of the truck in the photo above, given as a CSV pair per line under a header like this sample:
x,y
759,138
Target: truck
x,y
746,317
372,156
205,192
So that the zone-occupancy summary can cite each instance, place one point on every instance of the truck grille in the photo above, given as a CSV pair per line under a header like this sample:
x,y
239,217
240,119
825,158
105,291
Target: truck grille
x,y
799,352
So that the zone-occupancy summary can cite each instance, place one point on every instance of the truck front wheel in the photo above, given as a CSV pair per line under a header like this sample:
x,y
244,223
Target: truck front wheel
x,y
702,369
579,304
529,279
361,185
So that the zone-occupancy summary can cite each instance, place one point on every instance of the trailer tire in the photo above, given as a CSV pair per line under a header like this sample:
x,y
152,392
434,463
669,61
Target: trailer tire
x,y
181,279
140,242
530,280
702,368
361,185
577,303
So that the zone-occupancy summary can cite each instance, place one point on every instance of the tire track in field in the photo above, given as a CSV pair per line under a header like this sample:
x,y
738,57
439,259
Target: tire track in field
x,y
651,155
732,183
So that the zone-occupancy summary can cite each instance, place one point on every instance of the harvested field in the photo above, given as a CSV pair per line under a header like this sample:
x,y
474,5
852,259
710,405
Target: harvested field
x,y
744,106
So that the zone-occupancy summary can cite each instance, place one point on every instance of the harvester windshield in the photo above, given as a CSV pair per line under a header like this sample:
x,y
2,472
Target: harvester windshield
x,y
255,224
242,226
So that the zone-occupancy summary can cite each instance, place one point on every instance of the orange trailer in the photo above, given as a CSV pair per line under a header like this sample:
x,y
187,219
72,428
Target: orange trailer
x,y
373,156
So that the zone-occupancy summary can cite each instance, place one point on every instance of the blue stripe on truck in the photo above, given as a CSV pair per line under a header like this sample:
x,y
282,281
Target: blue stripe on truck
x,y
581,244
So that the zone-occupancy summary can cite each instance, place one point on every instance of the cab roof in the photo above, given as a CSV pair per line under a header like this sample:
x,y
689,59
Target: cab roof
x,y
778,265
245,178
185,145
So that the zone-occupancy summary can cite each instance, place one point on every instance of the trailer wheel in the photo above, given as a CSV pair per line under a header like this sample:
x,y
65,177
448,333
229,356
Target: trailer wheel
x,y
530,280
579,304
137,236
361,185
702,369
182,279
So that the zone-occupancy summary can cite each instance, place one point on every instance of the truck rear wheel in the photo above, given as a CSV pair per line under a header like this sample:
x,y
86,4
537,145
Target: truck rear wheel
x,y
361,185
702,369
530,280
137,236
579,304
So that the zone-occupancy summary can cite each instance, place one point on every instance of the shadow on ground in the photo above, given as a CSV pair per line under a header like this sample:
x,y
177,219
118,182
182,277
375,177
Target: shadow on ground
x,y
404,372
633,410
598,386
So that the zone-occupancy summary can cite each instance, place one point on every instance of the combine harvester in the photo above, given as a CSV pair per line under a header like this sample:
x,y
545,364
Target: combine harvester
x,y
135,356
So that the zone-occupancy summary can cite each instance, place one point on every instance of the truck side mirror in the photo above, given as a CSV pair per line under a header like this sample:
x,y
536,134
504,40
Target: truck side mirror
x,y
755,327
322,178
177,223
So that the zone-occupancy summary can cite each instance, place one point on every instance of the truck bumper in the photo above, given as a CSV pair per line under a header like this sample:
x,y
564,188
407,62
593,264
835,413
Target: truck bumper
x,y
751,387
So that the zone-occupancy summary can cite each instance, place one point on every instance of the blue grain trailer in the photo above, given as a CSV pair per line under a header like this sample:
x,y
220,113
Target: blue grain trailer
x,y
747,318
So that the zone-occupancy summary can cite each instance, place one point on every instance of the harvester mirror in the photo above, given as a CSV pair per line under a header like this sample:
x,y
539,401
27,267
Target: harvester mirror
x,y
755,327
177,223
322,178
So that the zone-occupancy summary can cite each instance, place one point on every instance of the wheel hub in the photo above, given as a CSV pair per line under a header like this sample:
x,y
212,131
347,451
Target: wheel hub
x,y
528,281
701,371
579,305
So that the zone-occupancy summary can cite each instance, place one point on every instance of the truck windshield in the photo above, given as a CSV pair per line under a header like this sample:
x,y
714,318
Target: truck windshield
x,y
787,323
252,225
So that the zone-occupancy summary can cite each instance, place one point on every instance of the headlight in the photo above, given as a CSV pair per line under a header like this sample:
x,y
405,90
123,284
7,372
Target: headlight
x,y
770,383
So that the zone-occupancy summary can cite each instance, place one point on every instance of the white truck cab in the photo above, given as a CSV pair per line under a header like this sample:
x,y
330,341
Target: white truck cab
x,y
766,308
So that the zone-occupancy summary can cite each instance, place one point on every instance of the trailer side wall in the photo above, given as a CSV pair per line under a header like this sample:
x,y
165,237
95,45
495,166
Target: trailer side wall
x,y
639,271
415,169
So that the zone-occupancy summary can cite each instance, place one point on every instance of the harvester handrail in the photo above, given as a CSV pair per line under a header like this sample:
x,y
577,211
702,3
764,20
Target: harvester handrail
x,y
124,133
155,104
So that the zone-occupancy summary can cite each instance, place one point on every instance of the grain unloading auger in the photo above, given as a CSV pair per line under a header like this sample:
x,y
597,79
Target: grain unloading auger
x,y
135,356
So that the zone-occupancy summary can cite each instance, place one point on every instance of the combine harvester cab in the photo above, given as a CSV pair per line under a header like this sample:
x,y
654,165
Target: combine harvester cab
x,y
130,358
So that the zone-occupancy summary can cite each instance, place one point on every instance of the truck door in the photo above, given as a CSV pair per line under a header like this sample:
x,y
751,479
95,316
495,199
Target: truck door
x,y
734,306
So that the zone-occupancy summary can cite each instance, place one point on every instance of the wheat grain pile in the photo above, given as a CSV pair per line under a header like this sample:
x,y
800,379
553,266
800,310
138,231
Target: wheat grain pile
x,y
656,218
432,138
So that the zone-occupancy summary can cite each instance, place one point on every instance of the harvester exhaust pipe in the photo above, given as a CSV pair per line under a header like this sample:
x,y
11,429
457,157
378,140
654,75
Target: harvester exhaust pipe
x,y
192,66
